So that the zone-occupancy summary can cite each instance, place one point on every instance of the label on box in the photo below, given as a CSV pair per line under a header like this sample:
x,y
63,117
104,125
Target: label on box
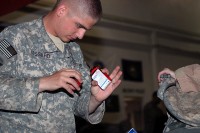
x,y
102,80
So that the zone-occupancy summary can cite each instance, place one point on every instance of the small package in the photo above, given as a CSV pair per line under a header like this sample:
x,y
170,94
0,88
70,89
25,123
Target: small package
x,y
102,78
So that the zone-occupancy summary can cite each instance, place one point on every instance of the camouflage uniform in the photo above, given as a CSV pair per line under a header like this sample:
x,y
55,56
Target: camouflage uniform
x,y
22,108
183,107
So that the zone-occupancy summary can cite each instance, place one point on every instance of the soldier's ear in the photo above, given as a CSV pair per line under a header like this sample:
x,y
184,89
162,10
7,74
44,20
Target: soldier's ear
x,y
61,10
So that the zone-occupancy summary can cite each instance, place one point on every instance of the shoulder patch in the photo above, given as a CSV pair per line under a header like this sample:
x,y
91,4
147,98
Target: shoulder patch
x,y
7,49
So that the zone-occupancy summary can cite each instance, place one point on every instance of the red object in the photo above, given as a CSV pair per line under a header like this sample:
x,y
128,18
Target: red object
x,y
95,68
107,76
8,6
79,84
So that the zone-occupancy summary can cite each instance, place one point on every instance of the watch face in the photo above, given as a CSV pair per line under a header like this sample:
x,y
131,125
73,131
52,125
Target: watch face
x,y
132,70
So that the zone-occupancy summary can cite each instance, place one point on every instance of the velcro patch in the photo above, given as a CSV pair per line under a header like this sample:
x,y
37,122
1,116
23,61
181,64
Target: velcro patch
x,y
7,49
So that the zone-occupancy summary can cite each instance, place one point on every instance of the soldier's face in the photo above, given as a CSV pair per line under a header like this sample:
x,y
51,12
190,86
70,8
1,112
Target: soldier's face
x,y
72,27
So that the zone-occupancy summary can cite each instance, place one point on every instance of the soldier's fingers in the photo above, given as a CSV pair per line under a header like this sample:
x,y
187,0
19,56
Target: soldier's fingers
x,y
115,72
71,73
105,70
73,82
69,88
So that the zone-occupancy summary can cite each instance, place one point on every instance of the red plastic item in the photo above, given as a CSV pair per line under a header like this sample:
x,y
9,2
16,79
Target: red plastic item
x,y
95,68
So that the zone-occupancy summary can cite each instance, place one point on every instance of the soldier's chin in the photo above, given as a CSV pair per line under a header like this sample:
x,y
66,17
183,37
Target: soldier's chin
x,y
66,40
72,40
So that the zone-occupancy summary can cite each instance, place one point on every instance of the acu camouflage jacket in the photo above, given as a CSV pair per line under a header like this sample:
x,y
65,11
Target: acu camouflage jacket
x,y
27,53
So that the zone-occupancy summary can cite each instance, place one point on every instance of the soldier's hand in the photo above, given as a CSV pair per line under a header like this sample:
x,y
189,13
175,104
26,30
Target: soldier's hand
x,y
101,95
65,78
166,71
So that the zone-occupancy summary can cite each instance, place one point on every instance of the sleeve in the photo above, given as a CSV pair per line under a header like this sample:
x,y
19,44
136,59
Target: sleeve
x,y
16,93
82,103
82,110
19,94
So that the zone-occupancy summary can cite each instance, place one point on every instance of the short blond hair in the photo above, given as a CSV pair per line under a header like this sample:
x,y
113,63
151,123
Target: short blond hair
x,y
92,8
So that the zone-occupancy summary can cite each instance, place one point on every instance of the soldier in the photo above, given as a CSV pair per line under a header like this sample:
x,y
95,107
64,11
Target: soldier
x,y
41,68
180,93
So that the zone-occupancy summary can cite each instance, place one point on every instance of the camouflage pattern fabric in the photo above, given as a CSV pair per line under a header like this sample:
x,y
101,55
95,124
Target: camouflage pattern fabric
x,y
22,108
183,107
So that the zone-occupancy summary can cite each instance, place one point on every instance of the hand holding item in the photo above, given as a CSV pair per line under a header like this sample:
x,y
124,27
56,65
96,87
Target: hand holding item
x,y
68,79
166,71
113,80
